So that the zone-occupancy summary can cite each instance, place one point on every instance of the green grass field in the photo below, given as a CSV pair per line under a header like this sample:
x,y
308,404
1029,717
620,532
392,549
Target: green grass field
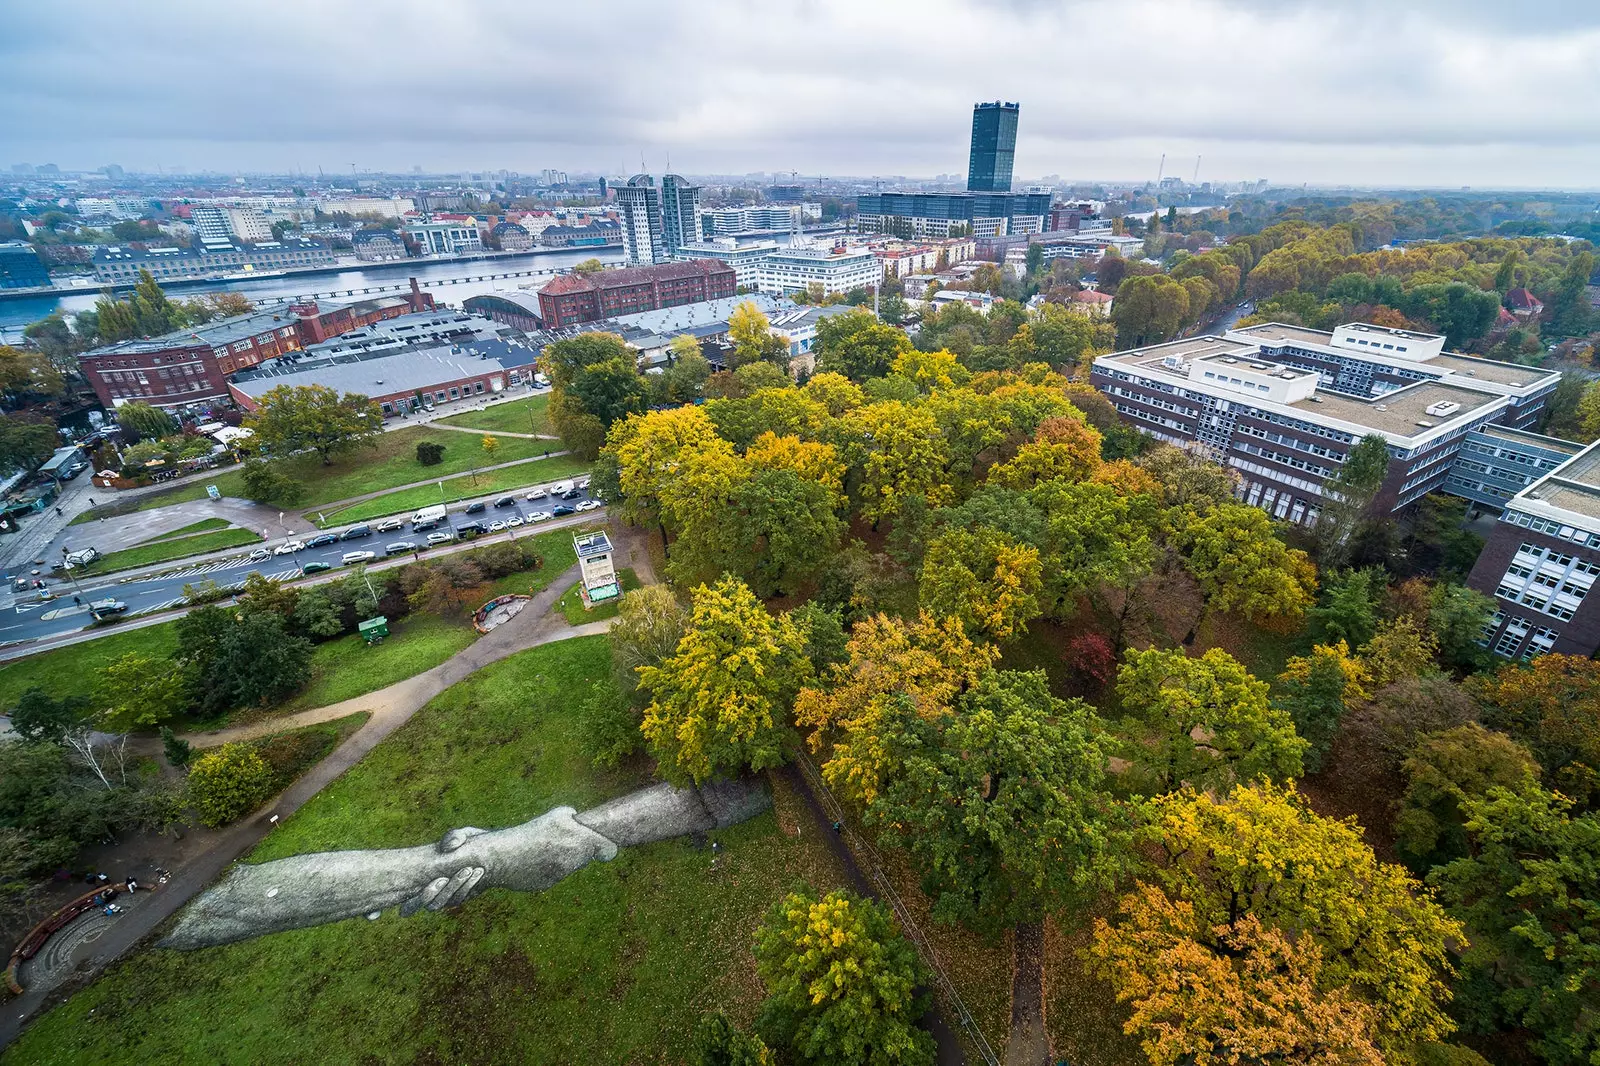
x,y
74,669
405,501
205,525
345,668
613,965
163,549
570,605
518,416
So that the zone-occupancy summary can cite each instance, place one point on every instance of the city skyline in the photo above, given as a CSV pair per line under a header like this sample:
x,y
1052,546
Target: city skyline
x,y
1421,93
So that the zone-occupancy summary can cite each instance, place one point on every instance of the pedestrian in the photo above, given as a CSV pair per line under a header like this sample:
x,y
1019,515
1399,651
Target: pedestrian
x,y
838,826
58,510
133,886
91,501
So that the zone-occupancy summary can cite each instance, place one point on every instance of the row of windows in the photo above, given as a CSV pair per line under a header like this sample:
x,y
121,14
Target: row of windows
x,y
1311,487
1155,401
1552,527
1481,488
1157,419
1292,442
1281,457
1539,638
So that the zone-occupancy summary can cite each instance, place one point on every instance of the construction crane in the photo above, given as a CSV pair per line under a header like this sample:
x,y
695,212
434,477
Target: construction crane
x,y
1162,169
1196,179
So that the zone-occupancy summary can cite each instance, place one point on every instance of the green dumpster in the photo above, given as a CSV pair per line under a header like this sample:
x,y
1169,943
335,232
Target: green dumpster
x,y
373,630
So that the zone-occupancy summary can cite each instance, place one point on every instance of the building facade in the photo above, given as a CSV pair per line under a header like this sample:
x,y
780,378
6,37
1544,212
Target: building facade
x,y
745,259
1283,405
994,147
512,237
1495,463
643,230
903,259
399,382
377,245
121,264
928,214
21,267
574,298
510,307
599,234
835,267
680,214
1540,564
445,238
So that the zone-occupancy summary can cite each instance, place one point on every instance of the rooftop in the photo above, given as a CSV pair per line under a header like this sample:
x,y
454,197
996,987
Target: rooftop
x,y
592,544
370,373
1513,374
1277,331
1537,440
1404,412
222,331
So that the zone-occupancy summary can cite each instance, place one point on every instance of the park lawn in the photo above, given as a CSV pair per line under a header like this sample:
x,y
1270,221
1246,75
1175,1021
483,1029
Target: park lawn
x,y
407,501
345,668
570,605
205,525
228,482
294,751
161,550
518,416
74,669
615,964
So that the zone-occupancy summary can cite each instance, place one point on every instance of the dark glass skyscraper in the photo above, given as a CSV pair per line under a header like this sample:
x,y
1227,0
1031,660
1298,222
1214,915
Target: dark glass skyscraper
x,y
994,147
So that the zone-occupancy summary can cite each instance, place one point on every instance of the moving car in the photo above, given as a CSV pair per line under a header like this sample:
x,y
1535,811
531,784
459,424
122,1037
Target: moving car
x,y
322,540
389,525
434,514
399,547
289,548
107,606
258,555
475,507
356,531
440,538
351,558
535,494
506,501
572,493
315,567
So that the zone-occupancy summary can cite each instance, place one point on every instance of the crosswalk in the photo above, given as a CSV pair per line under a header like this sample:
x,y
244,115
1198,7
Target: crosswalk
x,y
233,586
204,568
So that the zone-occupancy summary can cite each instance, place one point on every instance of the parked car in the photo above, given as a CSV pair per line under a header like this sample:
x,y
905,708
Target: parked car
x,y
423,527
316,567
538,516
514,521
322,540
535,494
289,548
506,501
497,527
389,525
258,555
441,537
399,547
356,532
471,529
476,507
588,505
352,558
562,511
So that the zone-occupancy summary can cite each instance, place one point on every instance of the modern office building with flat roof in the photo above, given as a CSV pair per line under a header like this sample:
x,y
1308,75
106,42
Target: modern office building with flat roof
x,y
1283,405
994,147
933,214
835,267
1497,462
1541,562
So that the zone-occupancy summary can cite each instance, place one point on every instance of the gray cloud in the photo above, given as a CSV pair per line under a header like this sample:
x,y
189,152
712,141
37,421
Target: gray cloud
x,y
1417,91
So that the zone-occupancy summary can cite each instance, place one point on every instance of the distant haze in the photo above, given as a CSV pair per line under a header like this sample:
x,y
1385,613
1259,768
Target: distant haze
x,y
1401,92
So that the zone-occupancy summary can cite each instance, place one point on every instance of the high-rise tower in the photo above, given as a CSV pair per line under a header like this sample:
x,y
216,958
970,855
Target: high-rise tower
x,y
994,147
680,213
642,234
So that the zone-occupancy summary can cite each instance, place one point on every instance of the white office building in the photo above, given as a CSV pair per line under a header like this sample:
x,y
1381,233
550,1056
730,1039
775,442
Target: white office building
x,y
745,259
445,238
836,268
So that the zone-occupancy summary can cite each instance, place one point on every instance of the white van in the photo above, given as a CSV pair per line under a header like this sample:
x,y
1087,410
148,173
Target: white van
x,y
430,515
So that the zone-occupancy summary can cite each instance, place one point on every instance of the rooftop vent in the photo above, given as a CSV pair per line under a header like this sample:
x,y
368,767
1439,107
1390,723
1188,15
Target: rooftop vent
x,y
1424,424
1316,399
1259,366
1287,375
1229,359
1380,407
1443,407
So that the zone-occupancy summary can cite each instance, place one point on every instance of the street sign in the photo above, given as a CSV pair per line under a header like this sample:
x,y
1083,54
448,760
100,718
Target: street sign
x,y
213,492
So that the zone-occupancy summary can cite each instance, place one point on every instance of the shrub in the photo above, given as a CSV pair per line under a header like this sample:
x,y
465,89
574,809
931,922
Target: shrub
x,y
609,725
430,453
228,783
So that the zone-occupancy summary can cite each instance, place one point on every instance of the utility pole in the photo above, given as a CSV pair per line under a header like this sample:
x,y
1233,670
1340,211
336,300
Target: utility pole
x,y
1162,169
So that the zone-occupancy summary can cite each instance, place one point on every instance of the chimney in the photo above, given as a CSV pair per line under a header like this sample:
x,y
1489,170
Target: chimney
x,y
415,299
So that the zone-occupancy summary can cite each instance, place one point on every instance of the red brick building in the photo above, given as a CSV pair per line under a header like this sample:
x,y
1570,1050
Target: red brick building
x,y
190,367
575,298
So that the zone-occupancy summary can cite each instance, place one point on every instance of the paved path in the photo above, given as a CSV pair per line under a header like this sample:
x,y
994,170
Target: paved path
x,y
1029,1044
492,432
391,708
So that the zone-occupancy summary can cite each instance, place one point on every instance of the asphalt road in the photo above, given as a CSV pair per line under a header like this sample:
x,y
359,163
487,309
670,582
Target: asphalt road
x,y
30,618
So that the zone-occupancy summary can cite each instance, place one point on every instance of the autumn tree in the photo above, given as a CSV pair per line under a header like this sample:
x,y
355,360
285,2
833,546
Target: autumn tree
x,y
858,346
228,783
294,418
1398,649
1316,689
1203,722
842,983
1065,449
717,703
893,452
752,338
1553,705
1236,881
1443,772
24,445
1149,310
984,578
1241,565
650,623
1002,804
927,662
1529,896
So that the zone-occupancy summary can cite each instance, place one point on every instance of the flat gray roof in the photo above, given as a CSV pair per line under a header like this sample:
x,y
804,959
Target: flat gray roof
x,y
1513,374
1584,470
1277,331
1534,440
374,375
1579,499
1399,412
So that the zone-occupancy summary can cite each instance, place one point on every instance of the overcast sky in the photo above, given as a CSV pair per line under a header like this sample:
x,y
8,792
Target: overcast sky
x,y
1416,92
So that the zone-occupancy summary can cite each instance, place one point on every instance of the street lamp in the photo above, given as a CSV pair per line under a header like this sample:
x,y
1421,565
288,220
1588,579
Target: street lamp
x,y
68,568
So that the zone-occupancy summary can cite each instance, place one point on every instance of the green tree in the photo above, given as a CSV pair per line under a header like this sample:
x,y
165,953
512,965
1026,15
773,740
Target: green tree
x,y
1149,310
1202,722
610,390
1002,805
267,482
135,691
177,751
842,983
752,337
1528,893
717,703
781,530
1316,690
146,422
1443,772
1241,565
1350,605
40,718
24,445
228,783
430,453
588,267
858,346
1347,496
242,659
985,578
718,1042
1457,616
294,418
1568,309
650,623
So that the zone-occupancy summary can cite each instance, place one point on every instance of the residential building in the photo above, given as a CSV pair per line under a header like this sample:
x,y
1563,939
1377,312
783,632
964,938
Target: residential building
x,y
643,231
210,222
766,218
994,147
119,264
786,194
745,259
1496,462
982,214
598,234
248,224
1283,405
1524,305
378,245
903,259
189,367
395,207
836,268
575,298
21,267
445,238
1092,303
1540,564
680,214
512,237
553,177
